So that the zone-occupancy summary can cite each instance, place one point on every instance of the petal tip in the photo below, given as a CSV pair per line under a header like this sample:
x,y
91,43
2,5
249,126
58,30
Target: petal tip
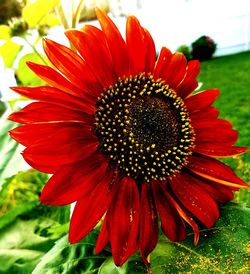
x,y
196,239
11,117
146,259
44,200
32,64
72,239
16,88
99,12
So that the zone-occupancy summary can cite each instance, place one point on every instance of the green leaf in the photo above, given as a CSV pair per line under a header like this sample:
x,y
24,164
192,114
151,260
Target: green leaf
x,y
108,267
9,51
27,229
132,266
50,20
23,242
2,108
36,11
10,158
242,168
25,75
5,32
11,216
19,193
222,249
65,258
18,261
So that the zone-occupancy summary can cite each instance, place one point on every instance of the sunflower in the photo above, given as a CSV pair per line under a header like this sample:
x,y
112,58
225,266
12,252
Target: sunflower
x,y
126,139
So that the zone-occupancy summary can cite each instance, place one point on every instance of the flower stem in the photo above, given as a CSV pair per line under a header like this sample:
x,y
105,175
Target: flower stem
x,y
62,16
35,51
77,13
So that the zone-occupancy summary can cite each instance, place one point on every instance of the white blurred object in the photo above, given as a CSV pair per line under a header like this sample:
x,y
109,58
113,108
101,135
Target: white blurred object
x,y
200,84
7,80
72,207
174,23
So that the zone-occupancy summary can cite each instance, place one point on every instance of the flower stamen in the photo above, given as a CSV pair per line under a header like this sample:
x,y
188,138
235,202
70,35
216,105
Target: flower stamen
x,y
144,128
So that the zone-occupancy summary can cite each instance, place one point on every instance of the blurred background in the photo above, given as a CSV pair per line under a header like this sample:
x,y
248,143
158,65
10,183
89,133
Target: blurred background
x,y
216,32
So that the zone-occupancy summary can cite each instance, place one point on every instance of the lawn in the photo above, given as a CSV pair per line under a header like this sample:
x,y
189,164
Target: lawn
x,y
231,74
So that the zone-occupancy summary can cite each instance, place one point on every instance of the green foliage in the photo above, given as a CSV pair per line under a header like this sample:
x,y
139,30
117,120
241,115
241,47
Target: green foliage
x,y
26,239
27,229
40,8
5,32
51,20
23,187
25,75
222,249
64,258
18,26
185,50
9,51
2,107
9,150
132,266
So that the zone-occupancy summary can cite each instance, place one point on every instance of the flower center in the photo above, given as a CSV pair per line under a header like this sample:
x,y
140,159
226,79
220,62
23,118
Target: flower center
x,y
143,128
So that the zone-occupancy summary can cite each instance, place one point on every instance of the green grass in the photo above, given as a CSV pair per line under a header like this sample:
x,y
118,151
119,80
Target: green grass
x,y
231,74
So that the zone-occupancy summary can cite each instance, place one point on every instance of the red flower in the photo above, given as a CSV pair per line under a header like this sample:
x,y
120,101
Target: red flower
x,y
125,137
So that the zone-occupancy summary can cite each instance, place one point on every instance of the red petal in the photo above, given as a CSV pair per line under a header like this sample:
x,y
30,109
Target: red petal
x,y
72,142
195,199
201,99
73,181
103,237
215,135
208,113
173,72
150,52
163,59
218,150
221,132
188,219
55,79
91,44
60,151
171,222
90,208
33,133
71,65
115,43
137,45
189,83
148,222
215,171
220,193
123,220
45,150
219,123
44,112
56,97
